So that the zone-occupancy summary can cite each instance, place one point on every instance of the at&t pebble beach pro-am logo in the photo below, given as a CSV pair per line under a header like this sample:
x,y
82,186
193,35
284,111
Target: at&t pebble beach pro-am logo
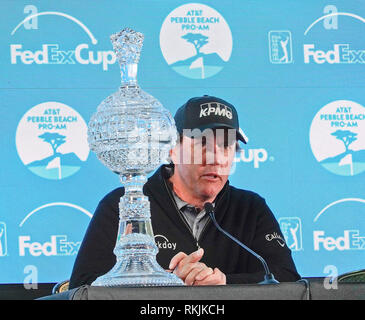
x,y
337,137
196,41
51,140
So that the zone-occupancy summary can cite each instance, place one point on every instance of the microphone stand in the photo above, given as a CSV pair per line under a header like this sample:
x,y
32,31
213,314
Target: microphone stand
x,y
269,277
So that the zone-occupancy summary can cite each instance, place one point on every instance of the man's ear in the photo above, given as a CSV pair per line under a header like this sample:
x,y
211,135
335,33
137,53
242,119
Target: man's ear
x,y
168,169
172,154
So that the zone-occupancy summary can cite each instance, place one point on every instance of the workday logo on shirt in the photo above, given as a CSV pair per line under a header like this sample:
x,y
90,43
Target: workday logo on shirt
x,y
163,243
196,41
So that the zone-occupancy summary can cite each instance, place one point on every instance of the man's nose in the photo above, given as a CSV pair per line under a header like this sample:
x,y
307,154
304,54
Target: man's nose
x,y
216,155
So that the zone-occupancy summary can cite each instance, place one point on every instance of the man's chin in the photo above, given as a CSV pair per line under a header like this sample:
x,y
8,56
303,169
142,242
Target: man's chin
x,y
210,192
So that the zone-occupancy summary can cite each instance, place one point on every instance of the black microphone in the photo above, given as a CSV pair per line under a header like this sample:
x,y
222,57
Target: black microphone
x,y
269,277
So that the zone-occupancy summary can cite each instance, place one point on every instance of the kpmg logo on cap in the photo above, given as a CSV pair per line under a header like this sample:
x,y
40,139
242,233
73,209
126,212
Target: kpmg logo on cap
x,y
51,140
215,108
52,53
196,41
280,47
337,137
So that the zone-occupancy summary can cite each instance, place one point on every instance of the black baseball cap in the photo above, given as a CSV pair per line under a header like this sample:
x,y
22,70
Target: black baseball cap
x,y
208,112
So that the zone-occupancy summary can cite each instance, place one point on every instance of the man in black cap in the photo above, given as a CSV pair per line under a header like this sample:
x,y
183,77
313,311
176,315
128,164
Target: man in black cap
x,y
189,243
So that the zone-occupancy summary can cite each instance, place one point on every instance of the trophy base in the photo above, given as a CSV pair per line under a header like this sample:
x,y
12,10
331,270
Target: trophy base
x,y
134,272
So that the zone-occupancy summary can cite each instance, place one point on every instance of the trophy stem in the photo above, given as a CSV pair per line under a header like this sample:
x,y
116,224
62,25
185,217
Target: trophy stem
x,y
135,248
129,74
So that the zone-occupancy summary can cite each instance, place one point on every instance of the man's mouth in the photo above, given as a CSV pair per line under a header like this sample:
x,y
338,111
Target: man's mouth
x,y
211,176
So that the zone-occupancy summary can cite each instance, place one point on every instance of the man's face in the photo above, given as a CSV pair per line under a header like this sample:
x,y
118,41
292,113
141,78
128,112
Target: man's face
x,y
203,164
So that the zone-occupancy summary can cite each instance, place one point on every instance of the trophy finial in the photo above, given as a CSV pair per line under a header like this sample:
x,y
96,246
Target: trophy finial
x,y
127,45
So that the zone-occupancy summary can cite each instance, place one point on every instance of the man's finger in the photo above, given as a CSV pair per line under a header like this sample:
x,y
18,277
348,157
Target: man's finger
x,y
176,259
204,273
194,257
183,271
182,258
216,278
190,278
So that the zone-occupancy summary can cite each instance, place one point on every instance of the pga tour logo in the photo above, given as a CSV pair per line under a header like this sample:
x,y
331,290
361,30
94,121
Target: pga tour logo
x,y
54,53
280,47
215,108
291,228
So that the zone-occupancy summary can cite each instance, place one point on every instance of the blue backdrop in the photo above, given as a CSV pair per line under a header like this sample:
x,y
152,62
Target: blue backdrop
x,y
295,71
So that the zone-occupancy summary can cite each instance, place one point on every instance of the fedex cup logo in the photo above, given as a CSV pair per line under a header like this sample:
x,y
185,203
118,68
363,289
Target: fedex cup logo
x,y
340,52
56,54
347,236
36,242
338,235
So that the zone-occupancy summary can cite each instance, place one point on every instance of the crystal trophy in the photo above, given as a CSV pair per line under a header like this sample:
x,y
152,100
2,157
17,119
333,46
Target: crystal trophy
x,y
131,134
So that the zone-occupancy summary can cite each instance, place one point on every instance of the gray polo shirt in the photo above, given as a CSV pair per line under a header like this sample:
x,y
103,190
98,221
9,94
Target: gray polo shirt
x,y
196,220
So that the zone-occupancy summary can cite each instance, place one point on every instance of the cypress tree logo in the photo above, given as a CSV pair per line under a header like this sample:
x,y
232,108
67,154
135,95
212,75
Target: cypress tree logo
x,y
196,41
51,140
337,137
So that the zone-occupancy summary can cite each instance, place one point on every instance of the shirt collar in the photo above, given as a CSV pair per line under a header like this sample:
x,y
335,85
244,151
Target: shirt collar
x,y
180,203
